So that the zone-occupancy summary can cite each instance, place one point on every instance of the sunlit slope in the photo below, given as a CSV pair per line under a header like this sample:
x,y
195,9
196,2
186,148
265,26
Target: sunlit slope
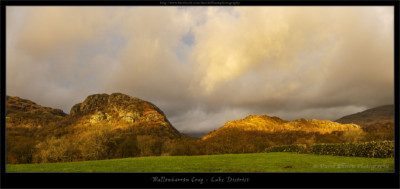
x,y
267,124
123,112
25,113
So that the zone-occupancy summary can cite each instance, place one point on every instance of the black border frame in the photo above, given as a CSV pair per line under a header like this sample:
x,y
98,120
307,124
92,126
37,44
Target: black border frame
x,y
144,180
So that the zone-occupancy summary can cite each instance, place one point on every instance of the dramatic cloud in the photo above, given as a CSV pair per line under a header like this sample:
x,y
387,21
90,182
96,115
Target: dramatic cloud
x,y
204,66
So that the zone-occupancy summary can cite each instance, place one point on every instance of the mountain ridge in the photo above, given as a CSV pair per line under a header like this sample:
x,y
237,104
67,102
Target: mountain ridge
x,y
16,104
369,116
26,113
116,110
265,123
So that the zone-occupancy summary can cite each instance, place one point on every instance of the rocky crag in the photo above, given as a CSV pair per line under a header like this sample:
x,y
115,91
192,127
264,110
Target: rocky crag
x,y
122,111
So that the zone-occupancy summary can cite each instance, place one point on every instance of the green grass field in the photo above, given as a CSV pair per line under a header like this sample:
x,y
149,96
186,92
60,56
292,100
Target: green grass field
x,y
255,162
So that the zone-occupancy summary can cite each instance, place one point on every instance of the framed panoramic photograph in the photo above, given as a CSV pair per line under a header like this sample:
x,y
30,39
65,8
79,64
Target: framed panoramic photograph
x,y
199,94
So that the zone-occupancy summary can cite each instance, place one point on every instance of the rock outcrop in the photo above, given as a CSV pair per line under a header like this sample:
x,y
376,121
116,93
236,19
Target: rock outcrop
x,y
118,109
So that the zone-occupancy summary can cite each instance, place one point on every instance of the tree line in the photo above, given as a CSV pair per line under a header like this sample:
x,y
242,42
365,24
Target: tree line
x,y
63,143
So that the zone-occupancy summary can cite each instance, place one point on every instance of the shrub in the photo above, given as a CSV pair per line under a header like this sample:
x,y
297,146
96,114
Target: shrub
x,y
383,149
128,147
99,142
55,150
298,148
20,149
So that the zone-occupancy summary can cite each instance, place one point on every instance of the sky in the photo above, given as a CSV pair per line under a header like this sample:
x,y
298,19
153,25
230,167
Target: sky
x,y
204,66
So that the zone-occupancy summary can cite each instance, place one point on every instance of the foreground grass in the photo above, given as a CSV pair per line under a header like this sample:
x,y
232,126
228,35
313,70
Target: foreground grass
x,y
255,162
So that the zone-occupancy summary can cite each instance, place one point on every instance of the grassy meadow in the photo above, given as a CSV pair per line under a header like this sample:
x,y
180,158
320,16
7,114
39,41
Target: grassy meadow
x,y
252,162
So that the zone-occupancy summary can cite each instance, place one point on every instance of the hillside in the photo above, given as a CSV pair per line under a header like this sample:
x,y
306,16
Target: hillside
x,y
121,111
256,133
378,114
267,124
25,113
101,127
112,126
377,122
117,110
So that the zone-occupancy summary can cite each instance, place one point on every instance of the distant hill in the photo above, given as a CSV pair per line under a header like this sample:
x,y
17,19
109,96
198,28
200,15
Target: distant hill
x,y
197,135
267,124
378,114
377,122
256,133
25,113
